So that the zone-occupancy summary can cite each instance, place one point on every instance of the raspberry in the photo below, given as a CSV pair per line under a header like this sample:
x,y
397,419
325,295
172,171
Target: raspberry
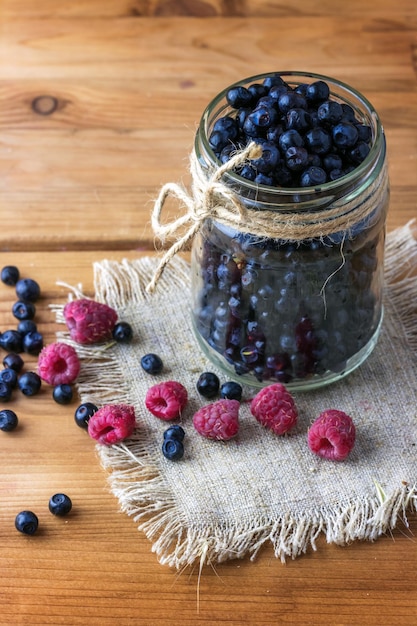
x,y
112,423
89,321
166,400
58,364
332,435
218,420
274,407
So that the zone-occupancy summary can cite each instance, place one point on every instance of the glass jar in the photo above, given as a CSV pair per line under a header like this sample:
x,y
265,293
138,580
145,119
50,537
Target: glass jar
x,y
303,308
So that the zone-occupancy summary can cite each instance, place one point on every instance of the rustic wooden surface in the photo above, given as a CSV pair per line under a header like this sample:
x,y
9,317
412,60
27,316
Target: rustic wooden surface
x,y
98,105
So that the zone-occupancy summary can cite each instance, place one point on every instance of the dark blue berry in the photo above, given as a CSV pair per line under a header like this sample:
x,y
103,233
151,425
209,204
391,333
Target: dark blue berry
x,y
8,376
208,384
5,392
8,420
296,158
24,310
32,343
239,97
330,112
60,504
173,449
26,522
317,91
11,341
27,326
13,361
291,100
152,363
28,290
313,176
263,116
268,160
83,413
62,394
10,275
345,135
122,332
298,119
29,383
174,432
318,141
359,152
231,390
290,138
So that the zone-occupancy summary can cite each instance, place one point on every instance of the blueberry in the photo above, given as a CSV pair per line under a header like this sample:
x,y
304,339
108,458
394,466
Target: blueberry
x,y
122,332
32,343
83,413
26,522
24,310
359,152
345,135
290,138
5,392
318,141
8,420
29,383
231,390
13,361
173,449
268,160
330,112
312,177
10,275
8,376
263,116
174,432
296,158
208,384
60,504
28,290
239,97
152,363
298,119
27,326
317,91
291,100
62,394
11,341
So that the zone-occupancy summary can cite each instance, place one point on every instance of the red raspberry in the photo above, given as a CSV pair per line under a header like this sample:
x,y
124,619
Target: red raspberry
x,y
218,420
89,321
274,407
332,435
58,364
166,400
112,423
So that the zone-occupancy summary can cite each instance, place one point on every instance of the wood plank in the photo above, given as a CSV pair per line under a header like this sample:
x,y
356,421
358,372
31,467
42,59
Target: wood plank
x,y
94,566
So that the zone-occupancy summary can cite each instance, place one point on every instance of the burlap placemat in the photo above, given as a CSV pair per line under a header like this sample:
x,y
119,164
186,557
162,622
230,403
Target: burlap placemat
x,y
225,500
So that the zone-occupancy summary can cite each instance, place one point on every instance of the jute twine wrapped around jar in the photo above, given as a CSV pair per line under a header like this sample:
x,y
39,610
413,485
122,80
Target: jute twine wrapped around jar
x,y
211,198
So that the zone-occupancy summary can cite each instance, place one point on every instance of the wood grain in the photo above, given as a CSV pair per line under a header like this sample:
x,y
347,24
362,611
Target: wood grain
x,y
98,113
94,566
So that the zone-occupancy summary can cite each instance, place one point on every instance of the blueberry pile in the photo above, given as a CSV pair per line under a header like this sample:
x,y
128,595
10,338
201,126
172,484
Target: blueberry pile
x,y
282,311
307,137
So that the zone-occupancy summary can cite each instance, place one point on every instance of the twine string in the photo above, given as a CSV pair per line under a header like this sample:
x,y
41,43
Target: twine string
x,y
211,198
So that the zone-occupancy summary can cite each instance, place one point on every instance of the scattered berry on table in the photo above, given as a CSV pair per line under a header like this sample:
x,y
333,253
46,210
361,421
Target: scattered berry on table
x,y
58,363
208,384
26,522
83,413
8,420
231,390
112,423
173,449
11,341
27,326
122,332
28,290
9,377
32,342
10,275
60,504
218,420
166,400
29,383
89,321
175,432
274,407
5,392
24,310
332,435
63,394
152,363
14,361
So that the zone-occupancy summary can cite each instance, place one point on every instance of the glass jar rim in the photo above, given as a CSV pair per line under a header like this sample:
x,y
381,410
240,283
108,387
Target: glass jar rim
x,y
303,193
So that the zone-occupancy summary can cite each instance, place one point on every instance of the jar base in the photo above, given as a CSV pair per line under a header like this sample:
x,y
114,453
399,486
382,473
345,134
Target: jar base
x,y
316,381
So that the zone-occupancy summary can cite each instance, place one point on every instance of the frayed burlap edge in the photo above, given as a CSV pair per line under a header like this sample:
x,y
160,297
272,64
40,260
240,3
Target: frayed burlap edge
x,y
145,495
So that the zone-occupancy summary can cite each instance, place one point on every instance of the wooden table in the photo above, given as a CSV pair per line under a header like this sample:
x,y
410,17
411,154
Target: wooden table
x,y
99,101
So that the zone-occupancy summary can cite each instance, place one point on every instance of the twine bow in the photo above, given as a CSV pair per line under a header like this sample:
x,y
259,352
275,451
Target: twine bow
x,y
203,203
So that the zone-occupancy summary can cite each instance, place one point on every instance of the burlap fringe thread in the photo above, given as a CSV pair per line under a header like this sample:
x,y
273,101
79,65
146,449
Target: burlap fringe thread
x,y
211,198
142,490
